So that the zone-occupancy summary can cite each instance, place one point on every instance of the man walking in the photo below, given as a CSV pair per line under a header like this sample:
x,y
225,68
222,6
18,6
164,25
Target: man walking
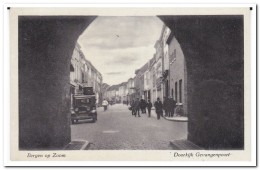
x,y
137,107
165,106
158,108
149,107
132,105
172,104
143,105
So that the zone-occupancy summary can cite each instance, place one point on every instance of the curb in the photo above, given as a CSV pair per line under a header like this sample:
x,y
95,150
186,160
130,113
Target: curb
x,y
77,145
176,120
184,144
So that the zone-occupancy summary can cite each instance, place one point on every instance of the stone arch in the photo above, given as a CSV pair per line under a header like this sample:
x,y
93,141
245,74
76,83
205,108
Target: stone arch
x,y
213,49
45,49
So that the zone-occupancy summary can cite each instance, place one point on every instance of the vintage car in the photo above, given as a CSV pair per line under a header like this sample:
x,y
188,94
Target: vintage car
x,y
84,108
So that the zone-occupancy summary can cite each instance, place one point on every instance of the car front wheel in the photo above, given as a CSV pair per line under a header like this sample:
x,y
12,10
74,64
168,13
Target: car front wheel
x,y
94,119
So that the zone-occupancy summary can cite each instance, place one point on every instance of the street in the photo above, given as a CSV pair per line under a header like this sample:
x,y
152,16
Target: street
x,y
117,129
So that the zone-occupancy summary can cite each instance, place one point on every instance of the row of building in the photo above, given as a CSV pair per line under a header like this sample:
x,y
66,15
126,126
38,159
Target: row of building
x,y
121,93
84,74
164,75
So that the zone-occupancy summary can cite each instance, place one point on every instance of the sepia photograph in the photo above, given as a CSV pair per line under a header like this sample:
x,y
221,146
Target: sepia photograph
x,y
130,84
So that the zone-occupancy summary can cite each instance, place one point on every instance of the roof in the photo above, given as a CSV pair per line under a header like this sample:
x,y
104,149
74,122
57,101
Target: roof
x,y
124,83
144,68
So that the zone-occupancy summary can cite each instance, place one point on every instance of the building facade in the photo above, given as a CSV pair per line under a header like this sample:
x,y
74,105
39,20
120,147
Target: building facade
x,y
166,65
76,71
149,84
158,69
122,90
177,74
130,90
139,82
84,74
112,94
104,88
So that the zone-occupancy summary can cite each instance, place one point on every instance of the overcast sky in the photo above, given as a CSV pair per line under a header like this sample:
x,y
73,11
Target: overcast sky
x,y
117,46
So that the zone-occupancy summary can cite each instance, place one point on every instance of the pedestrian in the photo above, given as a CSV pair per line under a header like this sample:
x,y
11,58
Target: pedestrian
x,y
137,107
169,107
132,107
143,105
172,105
165,106
158,108
105,104
149,107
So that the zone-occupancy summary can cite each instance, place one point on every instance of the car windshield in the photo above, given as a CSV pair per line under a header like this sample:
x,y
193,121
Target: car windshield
x,y
84,102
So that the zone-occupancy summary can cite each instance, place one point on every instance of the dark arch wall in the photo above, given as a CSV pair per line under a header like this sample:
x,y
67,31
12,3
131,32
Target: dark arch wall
x,y
45,49
213,49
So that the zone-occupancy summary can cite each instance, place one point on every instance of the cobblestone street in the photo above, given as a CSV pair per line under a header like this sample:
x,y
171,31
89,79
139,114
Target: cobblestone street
x,y
117,129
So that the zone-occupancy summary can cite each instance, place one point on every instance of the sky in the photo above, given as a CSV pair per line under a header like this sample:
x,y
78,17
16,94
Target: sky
x,y
117,46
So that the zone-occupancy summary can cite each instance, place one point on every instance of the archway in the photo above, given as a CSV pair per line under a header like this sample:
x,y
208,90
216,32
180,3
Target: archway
x,y
212,46
213,49
45,48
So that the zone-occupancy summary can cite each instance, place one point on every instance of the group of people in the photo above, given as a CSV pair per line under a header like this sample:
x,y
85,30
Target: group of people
x,y
168,106
137,105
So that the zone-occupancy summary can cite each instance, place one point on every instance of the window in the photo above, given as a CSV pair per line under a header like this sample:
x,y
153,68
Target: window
x,y
82,74
176,88
180,90
172,92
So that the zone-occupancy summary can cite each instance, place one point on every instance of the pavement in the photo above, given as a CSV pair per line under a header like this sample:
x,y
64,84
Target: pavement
x,y
117,129
184,144
77,145
174,118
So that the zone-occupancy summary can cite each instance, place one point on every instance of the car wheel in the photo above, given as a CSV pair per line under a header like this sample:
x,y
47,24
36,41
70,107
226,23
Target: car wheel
x,y
94,119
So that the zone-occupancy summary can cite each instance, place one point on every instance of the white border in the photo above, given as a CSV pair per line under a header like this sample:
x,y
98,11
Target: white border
x,y
6,91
